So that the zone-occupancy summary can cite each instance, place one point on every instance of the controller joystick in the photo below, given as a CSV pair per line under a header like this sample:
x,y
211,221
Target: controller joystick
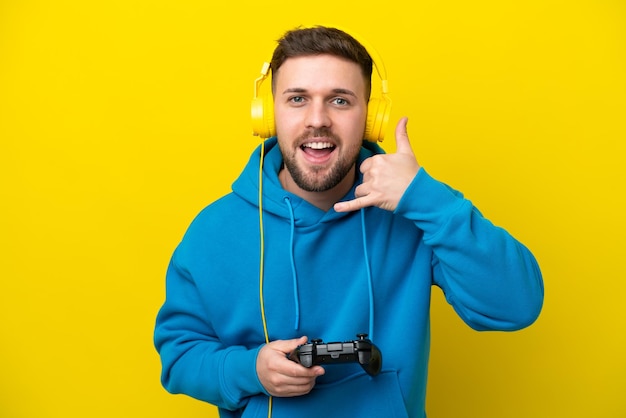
x,y
361,350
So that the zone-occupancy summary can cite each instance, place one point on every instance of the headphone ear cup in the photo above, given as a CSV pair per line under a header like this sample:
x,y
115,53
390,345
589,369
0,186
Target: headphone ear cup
x,y
262,112
378,111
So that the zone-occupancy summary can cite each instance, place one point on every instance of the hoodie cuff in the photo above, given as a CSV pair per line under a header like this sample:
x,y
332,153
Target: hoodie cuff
x,y
239,378
429,203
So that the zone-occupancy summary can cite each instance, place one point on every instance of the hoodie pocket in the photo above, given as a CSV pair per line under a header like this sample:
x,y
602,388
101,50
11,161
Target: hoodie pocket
x,y
357,395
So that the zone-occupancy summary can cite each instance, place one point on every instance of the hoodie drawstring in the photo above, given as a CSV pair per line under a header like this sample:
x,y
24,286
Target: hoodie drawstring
x,y
294,276
370,283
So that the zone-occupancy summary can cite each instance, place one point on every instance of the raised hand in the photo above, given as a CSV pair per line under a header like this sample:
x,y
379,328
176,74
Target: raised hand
x,y
385,176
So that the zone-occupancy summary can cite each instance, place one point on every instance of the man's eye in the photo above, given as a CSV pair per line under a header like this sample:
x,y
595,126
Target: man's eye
x,y
341,101
297,99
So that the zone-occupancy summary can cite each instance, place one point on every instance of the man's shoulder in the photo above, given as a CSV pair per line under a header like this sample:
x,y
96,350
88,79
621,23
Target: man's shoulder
x,y
225,205
226,210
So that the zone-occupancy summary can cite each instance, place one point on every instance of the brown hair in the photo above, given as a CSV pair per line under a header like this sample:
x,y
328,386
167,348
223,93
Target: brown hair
x,y
323,40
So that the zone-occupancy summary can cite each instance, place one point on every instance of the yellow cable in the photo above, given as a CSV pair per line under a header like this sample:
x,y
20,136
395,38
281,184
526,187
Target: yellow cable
x,y
262,249
262,262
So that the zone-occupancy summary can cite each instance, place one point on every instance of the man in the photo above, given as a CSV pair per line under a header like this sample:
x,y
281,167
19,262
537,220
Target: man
x,y
352,240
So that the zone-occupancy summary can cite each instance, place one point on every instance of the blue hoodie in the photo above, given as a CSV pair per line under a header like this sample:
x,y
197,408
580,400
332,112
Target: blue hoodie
x,y
331,276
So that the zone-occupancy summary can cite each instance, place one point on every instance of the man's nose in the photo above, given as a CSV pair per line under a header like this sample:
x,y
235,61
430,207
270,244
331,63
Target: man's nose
x,y
317,115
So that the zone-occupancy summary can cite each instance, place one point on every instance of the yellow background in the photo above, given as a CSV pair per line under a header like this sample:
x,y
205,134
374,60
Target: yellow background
x,y
120,120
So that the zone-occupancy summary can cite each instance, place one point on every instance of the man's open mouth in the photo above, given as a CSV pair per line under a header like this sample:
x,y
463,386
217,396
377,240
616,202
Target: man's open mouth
x,y
317,149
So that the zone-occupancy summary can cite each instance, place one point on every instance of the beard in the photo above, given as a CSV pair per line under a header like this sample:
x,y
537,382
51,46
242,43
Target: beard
x,y
319,178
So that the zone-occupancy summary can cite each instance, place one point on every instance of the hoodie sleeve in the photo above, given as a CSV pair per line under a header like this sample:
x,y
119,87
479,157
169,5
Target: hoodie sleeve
x,y
492,280
194,361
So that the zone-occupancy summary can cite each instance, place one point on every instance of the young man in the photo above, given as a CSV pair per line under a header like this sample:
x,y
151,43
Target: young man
x,y
353,240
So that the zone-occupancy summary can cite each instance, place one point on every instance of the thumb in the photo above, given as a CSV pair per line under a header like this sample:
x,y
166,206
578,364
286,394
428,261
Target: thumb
x,y
403,145
287,346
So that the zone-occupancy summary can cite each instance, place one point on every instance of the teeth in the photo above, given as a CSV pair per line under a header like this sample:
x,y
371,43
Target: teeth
x,y
318,145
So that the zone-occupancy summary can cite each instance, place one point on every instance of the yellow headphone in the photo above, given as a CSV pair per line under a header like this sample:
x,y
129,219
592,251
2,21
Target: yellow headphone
x,y
378,108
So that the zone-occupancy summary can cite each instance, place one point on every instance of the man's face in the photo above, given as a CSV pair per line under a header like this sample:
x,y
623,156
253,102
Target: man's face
x,y
320,112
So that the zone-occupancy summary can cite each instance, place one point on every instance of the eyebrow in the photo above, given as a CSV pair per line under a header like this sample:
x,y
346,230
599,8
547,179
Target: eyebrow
x,y
335,91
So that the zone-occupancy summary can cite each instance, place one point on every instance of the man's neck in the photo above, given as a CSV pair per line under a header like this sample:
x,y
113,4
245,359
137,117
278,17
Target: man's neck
x,y
323,200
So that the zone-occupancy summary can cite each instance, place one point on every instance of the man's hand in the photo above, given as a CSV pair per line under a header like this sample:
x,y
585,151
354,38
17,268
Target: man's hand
x,y
385,176
281,376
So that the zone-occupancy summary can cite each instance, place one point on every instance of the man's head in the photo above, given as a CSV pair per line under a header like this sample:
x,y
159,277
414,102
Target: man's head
x,y
321,85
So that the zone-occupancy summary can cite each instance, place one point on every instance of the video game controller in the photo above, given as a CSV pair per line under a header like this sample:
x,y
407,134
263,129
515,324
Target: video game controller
x,y
361,350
